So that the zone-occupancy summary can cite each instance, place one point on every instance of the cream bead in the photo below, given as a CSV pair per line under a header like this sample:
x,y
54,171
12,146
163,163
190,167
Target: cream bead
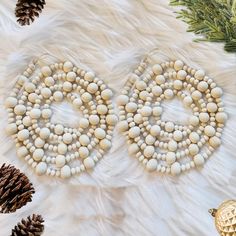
x,y
99,133
71,76
146,111
105,144
62,148
65,172
58,96
122,126
150,140
211,107
172,145
27,121
59,129
151,165
138,118
89,163
10,102
122,100
22,152
199,74
111,119
83,152
198,160
68,66
175,168
157,111
216,92
193,120
46,71
94,119
170,158
196,95
46,92
149,151
140,85
133,149
35,113
134,132
204,117
102,109
131,107
160,79
84,140
202,86
169,126
41,168
106,94
67,138
194,137
44,133
39,143
49,81
29,87
86,97
168,94
155,130
33,97
89,76
157,69
92,88
77,103
46,113
178,65
187,101
181,75
11,129
23,135
214,142
221,117
67,86
193,149
20,110
177,135
178,84
38,154
84,123
157,90
209,131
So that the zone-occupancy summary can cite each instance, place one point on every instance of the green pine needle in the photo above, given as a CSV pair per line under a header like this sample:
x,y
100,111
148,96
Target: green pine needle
x,y
215,20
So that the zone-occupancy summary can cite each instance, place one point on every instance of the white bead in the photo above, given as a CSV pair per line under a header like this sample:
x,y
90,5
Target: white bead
x,y
131,107
89,163
41,168
169,126
140,85
77,103
178,84
99,133
67,138
35,113
27,121
138,119
157,69
170,158
20,110
46,113
216,92
58,96
196,95
122,126
155,130
177,135
33,97
172,145
194,137
187,101
105,144
46,71
199,74
59,129
193,149
160,79
86,97
39,143
65,172
44,133
122,100
146,111
49,81
67,86
71,76
221,117
83,152
62,148
157,111
83,123
111,119
94,119
151,165
202,86
214,142
38,154
60,161
212,107
181,75
84,140
46,92
106,94
198,160
150,140
22,152
102,109
29,87
10,102
23,135
92,88
11,129
134,132
168,94
204,117
157,91
68,66
149,151
89,76
178,65
133,149
209,131
175,168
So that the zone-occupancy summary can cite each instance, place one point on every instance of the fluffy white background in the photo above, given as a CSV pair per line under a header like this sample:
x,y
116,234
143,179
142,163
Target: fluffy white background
x,y
119,197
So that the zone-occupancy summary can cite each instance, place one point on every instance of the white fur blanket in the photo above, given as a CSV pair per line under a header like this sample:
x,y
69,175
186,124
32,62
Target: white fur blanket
x,y
118,197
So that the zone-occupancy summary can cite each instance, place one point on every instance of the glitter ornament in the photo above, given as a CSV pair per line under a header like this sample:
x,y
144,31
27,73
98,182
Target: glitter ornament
x,y
49,147
225,218
162,145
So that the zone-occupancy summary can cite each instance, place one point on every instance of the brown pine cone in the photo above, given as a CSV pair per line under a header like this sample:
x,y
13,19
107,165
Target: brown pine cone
x,y
15,189
27,10
32,226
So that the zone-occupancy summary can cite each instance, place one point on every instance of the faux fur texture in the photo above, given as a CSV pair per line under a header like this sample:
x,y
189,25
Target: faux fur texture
x,y
119,197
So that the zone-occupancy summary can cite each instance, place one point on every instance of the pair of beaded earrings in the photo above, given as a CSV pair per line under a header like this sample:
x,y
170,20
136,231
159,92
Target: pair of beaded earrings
x,y
56,150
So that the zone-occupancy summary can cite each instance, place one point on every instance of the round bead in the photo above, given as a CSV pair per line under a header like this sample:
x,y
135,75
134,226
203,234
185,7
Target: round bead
x,y
111,119
157,69
181,75
102,109
214,142
160,79
151,165
89,163
187,101
216,92
84,140
209,131
100,133
106,94
122,100
62,148
178,65
38,154
35,113
105,144
194,137
212,107
22,152
172,145
86,97
146,111
71,76
221,117
49,81
60,161
20,110
46,71
155,130
177,135
41,168
193,149
157,91
149,151
122,126
199,74
11,129
67,138
131,107
193,120
169,126
83,152
92,88
202,86
134,132
65,172
23,135
67,86
168,94
175,168
170,158
10,102
84,123
59,129
68,66
196,95
133,149
89,76
58,96
198,160
94,119
204,117
178,84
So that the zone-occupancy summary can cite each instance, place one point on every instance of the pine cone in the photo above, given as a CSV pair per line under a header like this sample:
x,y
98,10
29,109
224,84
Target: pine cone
x,y
32,226
27,10
15,189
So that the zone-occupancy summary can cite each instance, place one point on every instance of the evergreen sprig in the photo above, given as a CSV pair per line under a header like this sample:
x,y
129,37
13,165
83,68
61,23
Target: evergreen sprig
x,y
215,20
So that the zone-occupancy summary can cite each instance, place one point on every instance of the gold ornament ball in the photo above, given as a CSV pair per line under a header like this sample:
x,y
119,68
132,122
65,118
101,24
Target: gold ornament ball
x,y
225,218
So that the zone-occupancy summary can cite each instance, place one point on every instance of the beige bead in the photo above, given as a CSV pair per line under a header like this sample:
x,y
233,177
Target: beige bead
x,y
156,90
202,86
157,69
122,100
134,132
172,145
71,76
199,74
146,111
149,151
11,129
77,103
99,133
133,149
221,117
29,87
175,169
156,111
62,148
155,130
94,119
46,113
111,120
84,140
27,121
138,119
89,163
44,133
68,66
168,94
35,113
140,85
92,88
105,144
65,172
151,165
214,142
59,129
212,107
181,75
10,102
46,71
89,76
122,126
160,79
187,101
20,110
150,140
178,84
39,143
177,135
41,168
33,97
131,107
178,65
216,92
169,126
86,97
170,158
194,137
67,138
49,81
209,131
22,152
193,120
102,109
196,95
58,96
60,161
204,117
67,86
23,135
193,149
83,152
199,160
38,154
83,123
